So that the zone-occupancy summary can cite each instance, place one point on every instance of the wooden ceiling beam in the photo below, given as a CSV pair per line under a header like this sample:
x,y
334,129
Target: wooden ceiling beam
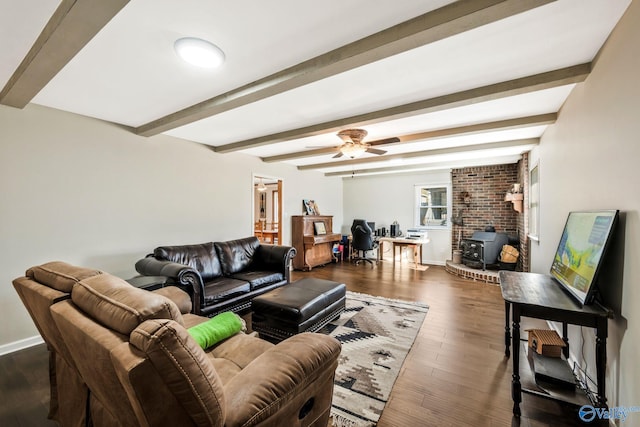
x,y
426,166
425,153
447,21
70,28
536,82
501,125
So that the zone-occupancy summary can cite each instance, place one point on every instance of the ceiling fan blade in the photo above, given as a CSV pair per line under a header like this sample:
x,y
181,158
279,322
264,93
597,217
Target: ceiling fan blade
x,y
384,141
337,155
375,151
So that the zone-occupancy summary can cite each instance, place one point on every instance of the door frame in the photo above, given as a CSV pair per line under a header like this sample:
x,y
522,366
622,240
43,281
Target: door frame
x,y
255,178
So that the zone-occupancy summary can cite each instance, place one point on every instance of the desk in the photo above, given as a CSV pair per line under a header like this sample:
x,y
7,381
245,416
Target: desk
x,y
539,296
403,242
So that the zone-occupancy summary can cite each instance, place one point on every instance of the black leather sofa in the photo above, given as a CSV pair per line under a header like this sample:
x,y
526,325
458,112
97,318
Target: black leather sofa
x,y
221,276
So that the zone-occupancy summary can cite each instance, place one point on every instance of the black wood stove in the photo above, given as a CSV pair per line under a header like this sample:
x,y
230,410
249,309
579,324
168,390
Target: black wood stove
x,y
483,248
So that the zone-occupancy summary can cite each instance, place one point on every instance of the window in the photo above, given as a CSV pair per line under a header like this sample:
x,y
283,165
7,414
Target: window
x,y
432,206
534,203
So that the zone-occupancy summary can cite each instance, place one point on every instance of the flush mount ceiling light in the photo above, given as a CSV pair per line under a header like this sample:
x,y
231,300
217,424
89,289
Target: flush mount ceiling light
x,y
199,52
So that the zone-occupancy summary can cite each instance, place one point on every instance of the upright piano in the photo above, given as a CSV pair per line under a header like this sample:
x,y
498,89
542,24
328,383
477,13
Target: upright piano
x,y
313,249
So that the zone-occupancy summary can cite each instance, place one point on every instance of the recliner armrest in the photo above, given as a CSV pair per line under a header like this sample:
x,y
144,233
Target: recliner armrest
x,y
276,258
178,274
284,381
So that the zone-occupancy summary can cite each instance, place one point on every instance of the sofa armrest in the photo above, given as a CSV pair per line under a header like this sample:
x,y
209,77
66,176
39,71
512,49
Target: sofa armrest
x,y
290,380
277,258
177,274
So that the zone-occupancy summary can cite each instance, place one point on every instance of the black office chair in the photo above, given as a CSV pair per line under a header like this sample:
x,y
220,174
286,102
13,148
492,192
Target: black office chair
x,y
363,241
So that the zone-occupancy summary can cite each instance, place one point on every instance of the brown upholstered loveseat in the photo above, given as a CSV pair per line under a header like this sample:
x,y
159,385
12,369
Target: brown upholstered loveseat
x,y
221,276
129,360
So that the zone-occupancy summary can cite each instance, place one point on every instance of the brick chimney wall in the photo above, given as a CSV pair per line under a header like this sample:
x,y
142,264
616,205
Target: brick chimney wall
x,y
486,187
523,218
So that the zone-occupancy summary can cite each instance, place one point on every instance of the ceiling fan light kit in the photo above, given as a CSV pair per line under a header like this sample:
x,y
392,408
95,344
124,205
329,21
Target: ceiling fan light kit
x,y
199,52
353,150
353,145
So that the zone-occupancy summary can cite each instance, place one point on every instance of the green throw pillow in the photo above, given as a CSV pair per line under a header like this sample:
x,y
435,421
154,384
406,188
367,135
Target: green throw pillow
x,y
216,329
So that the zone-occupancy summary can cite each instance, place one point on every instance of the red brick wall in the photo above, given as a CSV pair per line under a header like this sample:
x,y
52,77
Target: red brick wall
x,y
487,186
523,218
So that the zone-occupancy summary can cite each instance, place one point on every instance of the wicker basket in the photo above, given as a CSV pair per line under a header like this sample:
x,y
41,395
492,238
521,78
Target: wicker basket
x,y
509,254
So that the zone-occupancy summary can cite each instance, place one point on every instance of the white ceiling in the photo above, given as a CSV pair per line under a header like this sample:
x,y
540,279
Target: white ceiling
x,y
129,74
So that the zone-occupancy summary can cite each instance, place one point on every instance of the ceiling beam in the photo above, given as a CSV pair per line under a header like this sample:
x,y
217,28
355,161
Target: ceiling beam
x,y
536,82
70,28
428,166
501,125
447,21
435,152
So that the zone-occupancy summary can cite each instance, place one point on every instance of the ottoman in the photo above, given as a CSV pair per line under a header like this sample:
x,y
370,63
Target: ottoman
x,y
302,306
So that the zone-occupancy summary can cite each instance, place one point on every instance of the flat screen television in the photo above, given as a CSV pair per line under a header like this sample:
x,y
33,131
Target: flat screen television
x,y
580,252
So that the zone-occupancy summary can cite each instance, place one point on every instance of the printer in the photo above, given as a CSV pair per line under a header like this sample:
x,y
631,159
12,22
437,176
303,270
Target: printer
x,y
416,233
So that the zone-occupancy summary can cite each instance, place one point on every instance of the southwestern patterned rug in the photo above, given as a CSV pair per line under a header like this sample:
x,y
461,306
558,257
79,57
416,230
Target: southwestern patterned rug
x,y
376,335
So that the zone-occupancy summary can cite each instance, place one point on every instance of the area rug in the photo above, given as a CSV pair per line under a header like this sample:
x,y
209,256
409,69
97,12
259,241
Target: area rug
x,y
376,335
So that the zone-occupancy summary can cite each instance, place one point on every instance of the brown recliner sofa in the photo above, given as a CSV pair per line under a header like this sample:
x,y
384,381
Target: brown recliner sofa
x,y
132,350
49,284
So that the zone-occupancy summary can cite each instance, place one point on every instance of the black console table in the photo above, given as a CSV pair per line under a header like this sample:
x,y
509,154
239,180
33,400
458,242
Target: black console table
x,y
539,296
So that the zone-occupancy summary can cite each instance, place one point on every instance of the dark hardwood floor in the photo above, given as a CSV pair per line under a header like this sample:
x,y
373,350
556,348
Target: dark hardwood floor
x,y
24,388
455,375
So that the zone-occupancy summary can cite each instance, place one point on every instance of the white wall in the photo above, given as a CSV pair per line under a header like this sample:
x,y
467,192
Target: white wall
x,y
93,194
589,160
387,198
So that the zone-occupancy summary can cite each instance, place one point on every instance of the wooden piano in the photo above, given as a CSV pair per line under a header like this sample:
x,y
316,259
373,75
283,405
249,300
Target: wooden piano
x,y
313,249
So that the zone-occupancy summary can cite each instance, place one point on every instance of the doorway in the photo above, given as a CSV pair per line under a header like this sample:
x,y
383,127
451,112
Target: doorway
x,y
267,209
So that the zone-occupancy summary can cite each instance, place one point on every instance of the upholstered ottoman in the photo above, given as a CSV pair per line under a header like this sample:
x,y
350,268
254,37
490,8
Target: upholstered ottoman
x,y
302,306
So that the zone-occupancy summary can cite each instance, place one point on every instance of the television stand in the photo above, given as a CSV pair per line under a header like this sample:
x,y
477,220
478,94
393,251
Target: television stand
x,y
539,296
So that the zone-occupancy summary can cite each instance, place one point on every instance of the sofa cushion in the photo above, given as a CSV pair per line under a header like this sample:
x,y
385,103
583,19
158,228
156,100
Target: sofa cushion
x,y
236,255
240,349
224,288
119,306
201,257
185,369
259,279
60,275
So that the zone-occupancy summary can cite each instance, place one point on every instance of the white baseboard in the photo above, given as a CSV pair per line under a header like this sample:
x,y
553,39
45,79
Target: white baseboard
x,y
20,344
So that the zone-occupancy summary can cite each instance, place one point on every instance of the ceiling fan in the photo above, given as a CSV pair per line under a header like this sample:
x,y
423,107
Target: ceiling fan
x,y
354,147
